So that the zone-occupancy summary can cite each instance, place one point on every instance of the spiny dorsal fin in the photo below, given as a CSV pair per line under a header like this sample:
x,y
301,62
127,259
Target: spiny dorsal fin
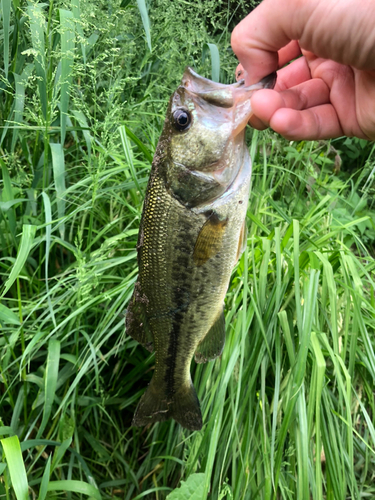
x,y
213,343
209,239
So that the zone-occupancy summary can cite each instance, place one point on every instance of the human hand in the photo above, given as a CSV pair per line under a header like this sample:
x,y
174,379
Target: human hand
x,y
330,90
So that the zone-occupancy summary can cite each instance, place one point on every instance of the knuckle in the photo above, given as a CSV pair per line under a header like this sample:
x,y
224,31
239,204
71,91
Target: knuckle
x,y
235,38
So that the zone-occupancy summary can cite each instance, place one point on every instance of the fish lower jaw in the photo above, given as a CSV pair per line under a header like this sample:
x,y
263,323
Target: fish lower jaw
x,y
223,176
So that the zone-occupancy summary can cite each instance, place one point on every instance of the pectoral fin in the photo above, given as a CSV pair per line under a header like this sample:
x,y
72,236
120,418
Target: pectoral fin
x,y
213,343
209,239
136,320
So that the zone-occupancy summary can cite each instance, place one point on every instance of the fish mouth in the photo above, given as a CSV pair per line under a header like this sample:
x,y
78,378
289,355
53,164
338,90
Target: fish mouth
x,y
221,94
268,82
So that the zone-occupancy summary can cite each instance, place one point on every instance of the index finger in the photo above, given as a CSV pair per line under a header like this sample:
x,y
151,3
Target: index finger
x,y
285,55
271,26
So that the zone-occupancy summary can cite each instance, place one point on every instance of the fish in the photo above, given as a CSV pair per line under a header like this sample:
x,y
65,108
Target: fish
x,y
191,235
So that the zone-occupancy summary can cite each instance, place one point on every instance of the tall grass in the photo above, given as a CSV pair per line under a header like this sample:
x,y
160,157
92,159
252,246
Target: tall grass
x,y
288,408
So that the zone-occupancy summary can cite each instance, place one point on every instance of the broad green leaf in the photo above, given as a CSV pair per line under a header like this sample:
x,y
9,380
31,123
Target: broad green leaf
x,y
50,382
27,239
8,316
16,467
75,487
146,494
192,489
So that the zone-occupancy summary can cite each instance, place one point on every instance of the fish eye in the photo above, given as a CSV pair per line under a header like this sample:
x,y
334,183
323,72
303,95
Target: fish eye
x,y
182,119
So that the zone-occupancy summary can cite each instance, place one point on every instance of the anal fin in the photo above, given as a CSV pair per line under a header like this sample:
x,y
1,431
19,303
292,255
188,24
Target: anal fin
x,y
213,343
136,320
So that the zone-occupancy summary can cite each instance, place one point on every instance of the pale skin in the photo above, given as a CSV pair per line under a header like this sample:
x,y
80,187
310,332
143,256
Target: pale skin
x,y
329,89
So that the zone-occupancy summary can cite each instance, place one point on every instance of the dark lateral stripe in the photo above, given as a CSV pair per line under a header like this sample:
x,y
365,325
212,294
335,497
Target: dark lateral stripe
x,y
181,295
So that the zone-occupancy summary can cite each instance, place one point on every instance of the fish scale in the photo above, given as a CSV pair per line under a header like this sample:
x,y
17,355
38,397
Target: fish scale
x,y
191,235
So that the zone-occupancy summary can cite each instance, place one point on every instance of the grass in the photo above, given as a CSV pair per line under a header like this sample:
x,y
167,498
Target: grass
x,y
289,408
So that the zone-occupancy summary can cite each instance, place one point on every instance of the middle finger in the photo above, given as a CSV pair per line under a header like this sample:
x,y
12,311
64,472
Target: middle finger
x,y
295,73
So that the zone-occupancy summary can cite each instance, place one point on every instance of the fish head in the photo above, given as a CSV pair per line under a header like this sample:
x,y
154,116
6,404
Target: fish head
x,y
203,137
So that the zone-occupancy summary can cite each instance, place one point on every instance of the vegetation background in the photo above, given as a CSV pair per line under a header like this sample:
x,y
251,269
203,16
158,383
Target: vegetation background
x,y
289,408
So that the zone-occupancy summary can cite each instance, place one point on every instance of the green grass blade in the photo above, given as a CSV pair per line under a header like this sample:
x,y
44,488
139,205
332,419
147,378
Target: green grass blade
x,y
75,487
139,143
8,196
145,20
85,129
17,471
320,367
6,429
48,219
8,316
37,22
60,452
332,292
50,382
82,372
6,6
19,105
45,480
67,59
296,253
14,423
27,239
302,447
215,60
77,16
128,154
58,165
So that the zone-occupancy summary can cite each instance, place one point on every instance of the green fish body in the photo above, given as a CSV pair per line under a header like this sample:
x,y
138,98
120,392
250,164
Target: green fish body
x,y
191,235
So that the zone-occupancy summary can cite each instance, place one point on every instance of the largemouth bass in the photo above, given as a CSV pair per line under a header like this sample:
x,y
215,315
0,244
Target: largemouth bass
x,y
191,235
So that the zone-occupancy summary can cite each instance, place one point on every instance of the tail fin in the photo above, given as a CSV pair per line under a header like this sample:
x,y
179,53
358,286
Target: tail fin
x,y
155,406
